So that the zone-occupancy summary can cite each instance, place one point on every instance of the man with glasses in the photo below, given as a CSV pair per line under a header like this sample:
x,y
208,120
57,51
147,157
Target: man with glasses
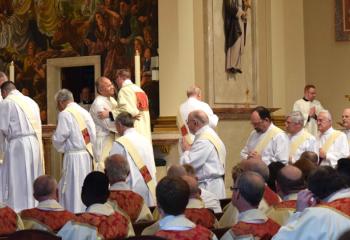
x,y
266,142
299,139
252,222
332,144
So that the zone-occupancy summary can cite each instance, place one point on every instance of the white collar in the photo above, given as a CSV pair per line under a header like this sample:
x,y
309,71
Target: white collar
x,y
252,216
119,186
176,223
292,196
343,193
127,82
195,203
129,131
50,205
102,209
202,130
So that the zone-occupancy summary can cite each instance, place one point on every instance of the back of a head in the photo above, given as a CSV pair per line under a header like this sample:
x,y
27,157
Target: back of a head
x,y
8,86
193,185
176,170
189,170
123,73
44,187
290,179
200,116
343,167
263,112
257,166
64,95
172,195
274,168
193,91
125,119
325,181
312,156
95,188
251,186
116,168
306,166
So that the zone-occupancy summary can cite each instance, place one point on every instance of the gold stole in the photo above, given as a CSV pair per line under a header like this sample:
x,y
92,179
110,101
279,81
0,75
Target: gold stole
x,y
83,128
151,184
185,132
217,144
330,140
297,142
266,139
36,125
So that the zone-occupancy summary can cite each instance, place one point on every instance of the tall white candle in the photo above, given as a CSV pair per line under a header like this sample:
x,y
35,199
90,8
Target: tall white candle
x,y
137,69
12,72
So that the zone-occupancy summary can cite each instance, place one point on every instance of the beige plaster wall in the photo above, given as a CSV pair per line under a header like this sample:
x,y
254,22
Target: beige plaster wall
x,y
327,61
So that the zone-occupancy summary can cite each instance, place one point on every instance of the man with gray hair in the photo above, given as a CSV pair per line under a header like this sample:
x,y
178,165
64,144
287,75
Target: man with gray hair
x,y
20,138
193,102
138,150
117,170
299,139
105,128
74,136
332,144
207,154
252,222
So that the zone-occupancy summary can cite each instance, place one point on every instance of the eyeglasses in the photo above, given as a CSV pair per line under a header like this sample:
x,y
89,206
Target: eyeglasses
x,y
234,188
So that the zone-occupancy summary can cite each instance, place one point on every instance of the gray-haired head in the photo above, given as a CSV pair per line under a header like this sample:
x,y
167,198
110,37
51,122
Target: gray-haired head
x,y
200,116
117,168
125,119
251,186
194,91
296,117
64,95
326,113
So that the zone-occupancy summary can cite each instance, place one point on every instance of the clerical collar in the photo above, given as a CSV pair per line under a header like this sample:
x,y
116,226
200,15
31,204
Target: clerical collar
x,y
306,100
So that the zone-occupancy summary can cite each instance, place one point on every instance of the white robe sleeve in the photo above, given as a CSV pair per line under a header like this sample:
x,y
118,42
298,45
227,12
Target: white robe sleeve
x,y
62,132
340,149
280,149
198,154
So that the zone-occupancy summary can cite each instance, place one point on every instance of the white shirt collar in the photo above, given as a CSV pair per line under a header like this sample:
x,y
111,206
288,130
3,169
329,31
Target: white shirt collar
x,y
129,130
127,82
343,193
50,205
252,216
177,223
119,186
195,203
201,130
102,209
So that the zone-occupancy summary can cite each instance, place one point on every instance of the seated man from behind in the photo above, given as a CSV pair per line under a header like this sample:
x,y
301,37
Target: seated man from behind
x,y
100,219
117,170
324,221
269,199
172,198
9,221
49,215
289,182
252,223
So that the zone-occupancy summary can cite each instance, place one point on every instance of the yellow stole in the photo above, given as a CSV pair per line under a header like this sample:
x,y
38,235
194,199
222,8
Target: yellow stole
x,y
185,132
82,126
266,139
151,184
36,125
217,144
297,142
330,140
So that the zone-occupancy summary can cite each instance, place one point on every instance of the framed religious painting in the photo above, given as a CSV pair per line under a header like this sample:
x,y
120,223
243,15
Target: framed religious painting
x,y
342,20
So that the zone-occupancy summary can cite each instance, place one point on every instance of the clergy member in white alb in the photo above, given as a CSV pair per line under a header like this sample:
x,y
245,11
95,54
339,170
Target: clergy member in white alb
x,y
310,108
138,150
105,128
267,141
74,136
332,143
3,78
20,137
207,154
346,123
193,102
299,139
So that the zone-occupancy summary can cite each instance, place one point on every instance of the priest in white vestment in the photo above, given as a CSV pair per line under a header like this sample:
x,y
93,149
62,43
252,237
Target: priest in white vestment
x,y
207,154
74,133
138,150
326,220
267,141
131,99
332,144
3,78
20,137
105,128
346,123
310,108
193,102
299,139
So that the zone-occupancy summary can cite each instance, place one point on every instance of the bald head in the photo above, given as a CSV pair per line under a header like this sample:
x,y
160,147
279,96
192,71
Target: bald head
x,y
256,165
196,120
176,171
193,184
194,91
45,187
290,180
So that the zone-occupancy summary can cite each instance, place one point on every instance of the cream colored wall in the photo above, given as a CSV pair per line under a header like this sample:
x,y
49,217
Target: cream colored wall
x,y
327,61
